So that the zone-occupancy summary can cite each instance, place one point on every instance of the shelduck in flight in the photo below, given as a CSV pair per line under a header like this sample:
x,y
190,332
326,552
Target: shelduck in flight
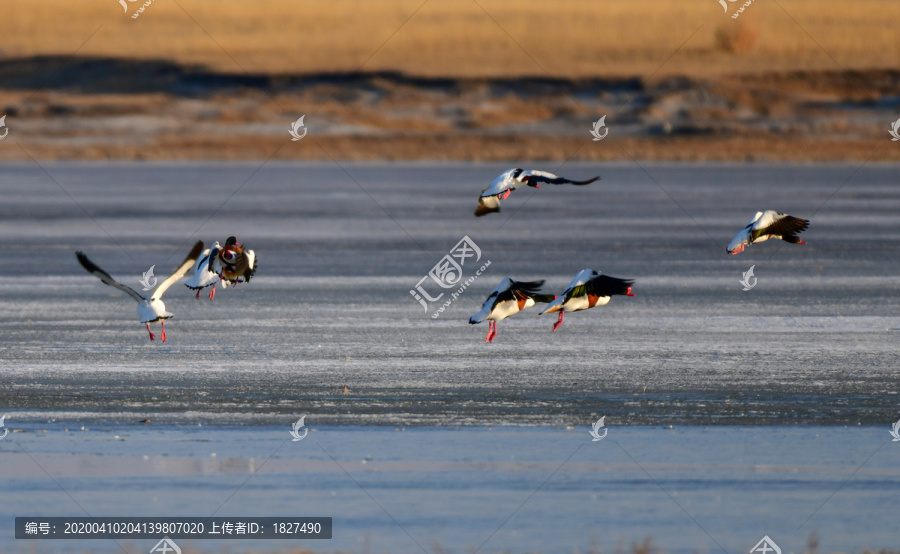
x,y
768,225
510,180
148,309
236,265
508,298
202,276
588,289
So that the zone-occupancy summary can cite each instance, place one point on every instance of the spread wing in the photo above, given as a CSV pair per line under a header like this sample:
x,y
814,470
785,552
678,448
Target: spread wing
x,y
95,270
244,263
251,265
182,269
203,260
534,176
783,226
603,285
502,186
202,277
520,290
213,256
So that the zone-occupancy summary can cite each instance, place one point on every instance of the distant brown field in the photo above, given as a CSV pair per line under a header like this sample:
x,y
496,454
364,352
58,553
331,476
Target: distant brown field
x,y
803,80
574,38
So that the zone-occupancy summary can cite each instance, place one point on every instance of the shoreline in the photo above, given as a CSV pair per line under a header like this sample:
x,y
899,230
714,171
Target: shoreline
x,y
189,113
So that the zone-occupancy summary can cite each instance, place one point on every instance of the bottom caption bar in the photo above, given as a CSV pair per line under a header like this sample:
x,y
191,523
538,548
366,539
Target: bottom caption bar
x,y
173,527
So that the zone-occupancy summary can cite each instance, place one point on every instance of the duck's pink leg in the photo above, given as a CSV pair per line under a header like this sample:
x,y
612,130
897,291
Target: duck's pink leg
x,y
198,294
495,331
212,292
490,331
152,336
163,323
560,320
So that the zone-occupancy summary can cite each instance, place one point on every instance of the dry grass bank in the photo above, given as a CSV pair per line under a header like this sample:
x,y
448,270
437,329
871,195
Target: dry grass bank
x,y
575,38
803,80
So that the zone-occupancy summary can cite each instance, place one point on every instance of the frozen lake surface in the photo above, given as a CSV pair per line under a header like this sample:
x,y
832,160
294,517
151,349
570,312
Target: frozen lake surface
x,y
340,248
779,398
508,489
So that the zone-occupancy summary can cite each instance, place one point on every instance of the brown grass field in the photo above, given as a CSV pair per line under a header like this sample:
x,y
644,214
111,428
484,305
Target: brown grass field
x,y
575,38
802,80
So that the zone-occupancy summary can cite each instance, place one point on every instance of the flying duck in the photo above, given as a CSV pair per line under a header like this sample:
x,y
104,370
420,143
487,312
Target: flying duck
x,y
588,289
508,298
148,309
510,180
768,225
236,265
203,277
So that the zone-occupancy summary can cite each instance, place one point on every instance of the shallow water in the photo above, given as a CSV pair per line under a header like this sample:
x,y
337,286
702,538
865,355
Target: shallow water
x,y
551,490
